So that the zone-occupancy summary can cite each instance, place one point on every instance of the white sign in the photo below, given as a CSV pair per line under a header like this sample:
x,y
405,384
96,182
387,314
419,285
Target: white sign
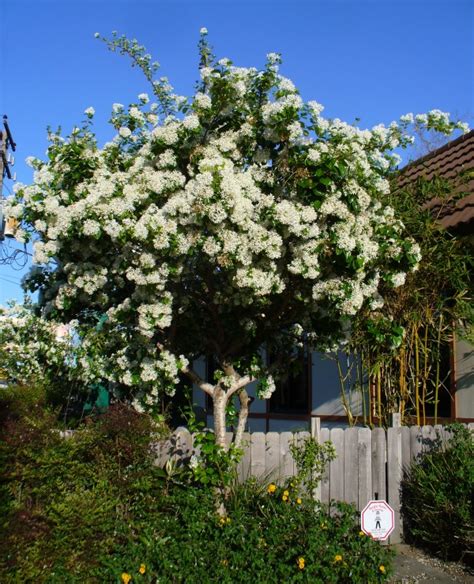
x,y
377,520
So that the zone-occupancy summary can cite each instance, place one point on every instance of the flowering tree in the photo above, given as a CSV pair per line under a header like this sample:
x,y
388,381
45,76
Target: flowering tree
x,y
46,353
215,225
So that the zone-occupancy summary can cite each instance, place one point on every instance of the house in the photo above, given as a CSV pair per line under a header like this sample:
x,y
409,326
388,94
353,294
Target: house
x,y
315,391
454,163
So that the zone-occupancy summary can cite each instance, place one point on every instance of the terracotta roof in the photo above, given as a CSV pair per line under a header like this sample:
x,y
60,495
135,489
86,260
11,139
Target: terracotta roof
x,y
455,162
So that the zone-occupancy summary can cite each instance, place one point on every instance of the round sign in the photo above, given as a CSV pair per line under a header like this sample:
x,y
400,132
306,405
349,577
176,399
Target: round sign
x,y
377,520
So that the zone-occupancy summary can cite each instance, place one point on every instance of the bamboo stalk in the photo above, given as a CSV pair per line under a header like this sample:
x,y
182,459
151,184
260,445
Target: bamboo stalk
x,y
370,389
360,375
417,378
425,373
379,396
402,380
438,366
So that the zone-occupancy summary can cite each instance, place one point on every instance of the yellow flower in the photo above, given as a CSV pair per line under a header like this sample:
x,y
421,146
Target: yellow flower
x,y
286,493
271,488
227,519
382,569
126,578
300,562
338,558
324,526
284,498
142,568
298,501
225,562
361,533
222,520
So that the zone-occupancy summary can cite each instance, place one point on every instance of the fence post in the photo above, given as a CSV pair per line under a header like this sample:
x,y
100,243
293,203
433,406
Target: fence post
x,y
316,428
316,435
396,420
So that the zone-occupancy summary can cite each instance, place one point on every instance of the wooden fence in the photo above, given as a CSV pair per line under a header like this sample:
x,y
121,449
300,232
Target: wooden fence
x,y
369,463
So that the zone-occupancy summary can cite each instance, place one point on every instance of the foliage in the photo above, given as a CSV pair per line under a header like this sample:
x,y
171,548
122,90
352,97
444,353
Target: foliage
x,y
213,465
437,503
311,459
62,497
44,356
212,225
401,347
93,508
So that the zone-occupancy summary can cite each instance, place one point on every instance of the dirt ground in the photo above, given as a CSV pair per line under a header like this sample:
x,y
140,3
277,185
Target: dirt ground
x,y
412,566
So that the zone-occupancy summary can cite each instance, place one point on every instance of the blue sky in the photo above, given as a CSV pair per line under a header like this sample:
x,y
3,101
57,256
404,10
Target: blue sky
x,y
373,59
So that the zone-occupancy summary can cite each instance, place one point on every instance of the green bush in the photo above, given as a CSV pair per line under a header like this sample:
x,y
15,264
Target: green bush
x,y
437,498
93,508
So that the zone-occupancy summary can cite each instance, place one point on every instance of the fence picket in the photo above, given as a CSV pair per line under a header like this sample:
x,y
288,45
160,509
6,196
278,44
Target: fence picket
x,y
351,465
379,453
325,479
272,455
257,455
365,467
415,442
406,448
182,446
394,469
336,467
286,460
428,437
244,464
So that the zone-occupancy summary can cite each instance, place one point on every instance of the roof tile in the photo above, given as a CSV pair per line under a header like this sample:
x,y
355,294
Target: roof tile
x,y
454,162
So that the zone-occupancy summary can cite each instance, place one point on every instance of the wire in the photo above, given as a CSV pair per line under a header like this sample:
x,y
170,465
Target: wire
x,y
16,258
11,280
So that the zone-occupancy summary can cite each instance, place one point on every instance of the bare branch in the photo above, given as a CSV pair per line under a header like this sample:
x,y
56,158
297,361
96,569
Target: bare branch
x,y
206,387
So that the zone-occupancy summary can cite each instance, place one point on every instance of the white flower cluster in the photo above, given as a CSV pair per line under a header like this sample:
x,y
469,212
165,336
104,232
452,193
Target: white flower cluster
x,y
267,387
228,207
33,349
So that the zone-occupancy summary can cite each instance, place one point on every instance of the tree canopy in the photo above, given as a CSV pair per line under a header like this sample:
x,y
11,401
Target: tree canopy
x,y
237,218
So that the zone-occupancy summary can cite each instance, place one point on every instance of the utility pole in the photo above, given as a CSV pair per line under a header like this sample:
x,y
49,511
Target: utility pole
x,y
6,142
2,170
10,254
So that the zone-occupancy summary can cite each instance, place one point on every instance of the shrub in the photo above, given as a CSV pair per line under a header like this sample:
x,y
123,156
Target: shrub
x,y
18,401
93,507
437,497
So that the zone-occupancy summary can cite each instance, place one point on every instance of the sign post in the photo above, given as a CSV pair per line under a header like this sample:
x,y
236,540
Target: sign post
x,y
377,520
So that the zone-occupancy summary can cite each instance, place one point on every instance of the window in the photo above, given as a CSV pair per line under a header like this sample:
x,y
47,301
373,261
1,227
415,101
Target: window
x,y
292,393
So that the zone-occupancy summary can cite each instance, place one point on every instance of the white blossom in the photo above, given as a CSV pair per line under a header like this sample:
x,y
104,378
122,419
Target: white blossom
x,y
125,132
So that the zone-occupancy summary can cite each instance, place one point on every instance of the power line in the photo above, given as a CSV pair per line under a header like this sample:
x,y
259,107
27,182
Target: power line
x,y
11,280
10,255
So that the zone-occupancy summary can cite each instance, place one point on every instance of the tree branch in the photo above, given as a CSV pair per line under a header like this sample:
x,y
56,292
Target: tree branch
x,y
195,378
243,381
243,416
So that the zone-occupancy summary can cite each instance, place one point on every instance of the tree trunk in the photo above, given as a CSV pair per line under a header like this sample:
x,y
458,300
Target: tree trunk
x,y
219,406
243,415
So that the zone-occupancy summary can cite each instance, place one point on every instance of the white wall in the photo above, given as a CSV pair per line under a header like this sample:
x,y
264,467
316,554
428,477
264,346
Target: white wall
x,y
464,368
